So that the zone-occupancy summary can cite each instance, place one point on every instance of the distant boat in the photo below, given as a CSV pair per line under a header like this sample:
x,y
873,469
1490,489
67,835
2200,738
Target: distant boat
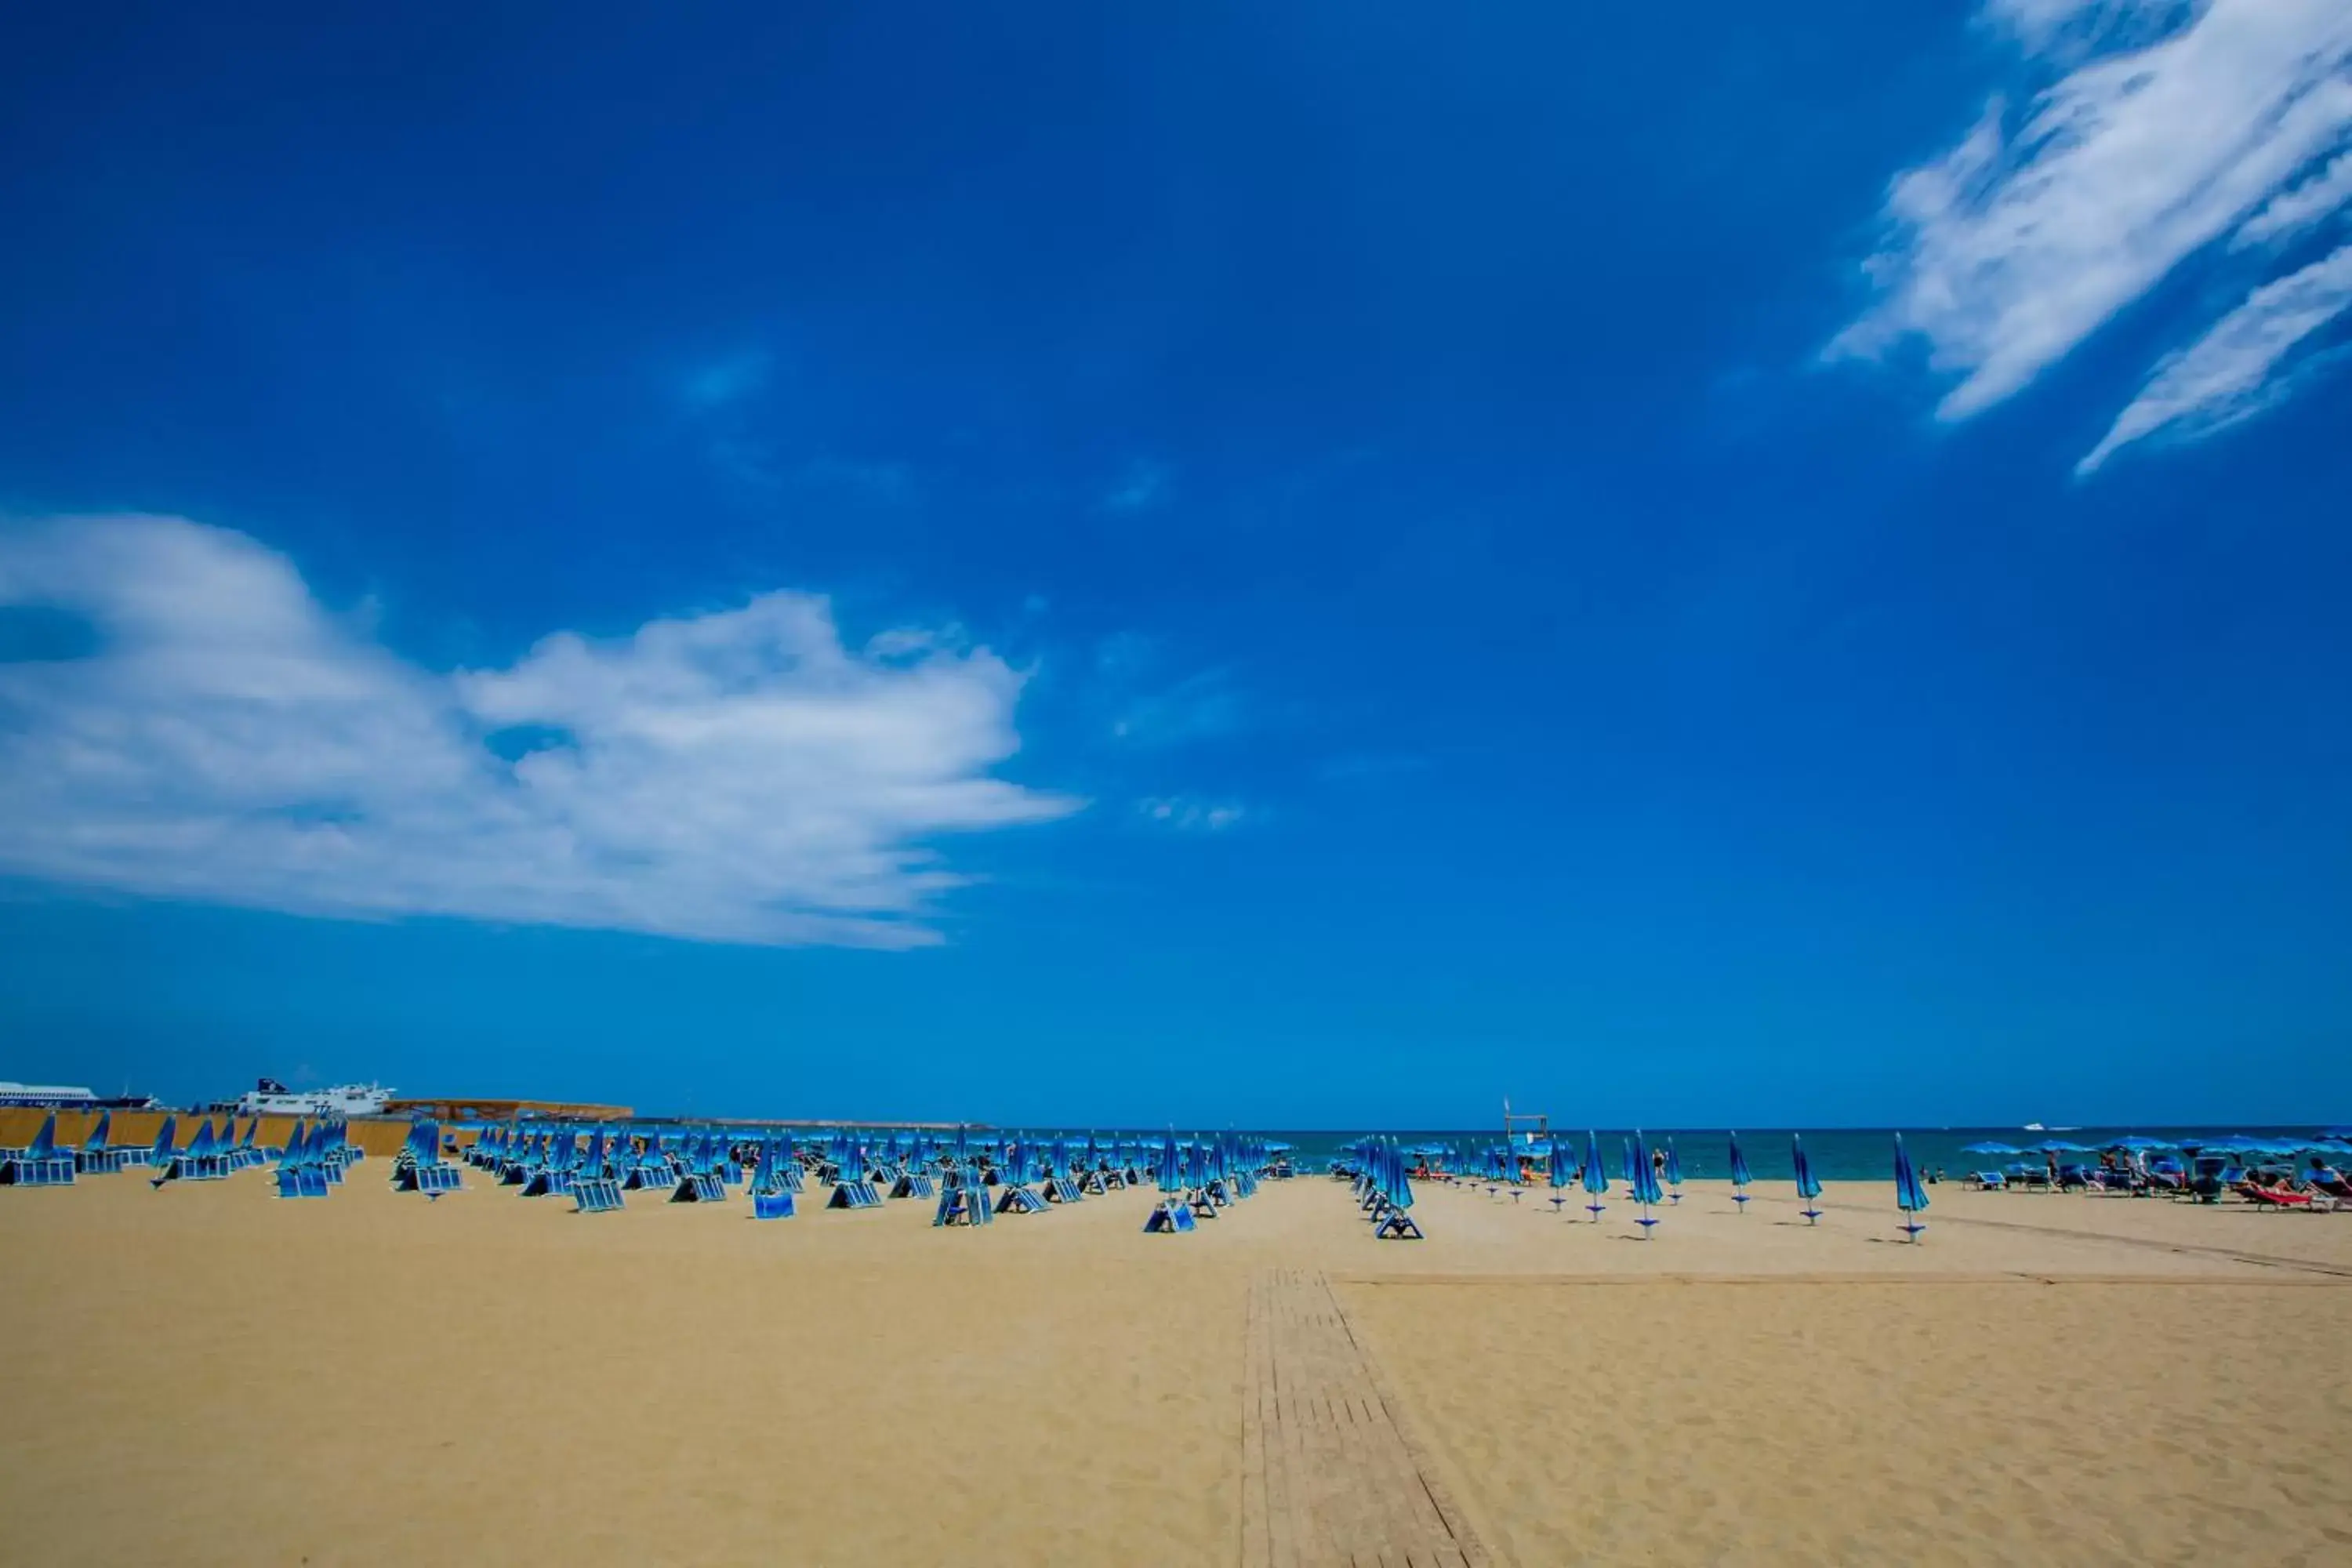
x,y
270,1098
69,1096
2037,1127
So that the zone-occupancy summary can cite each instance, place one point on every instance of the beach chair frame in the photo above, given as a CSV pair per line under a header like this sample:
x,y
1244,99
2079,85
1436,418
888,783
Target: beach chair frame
x,y
595,1195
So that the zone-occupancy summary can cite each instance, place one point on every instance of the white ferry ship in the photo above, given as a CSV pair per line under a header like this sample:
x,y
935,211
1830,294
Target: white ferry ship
x,y
271,1098
69,1096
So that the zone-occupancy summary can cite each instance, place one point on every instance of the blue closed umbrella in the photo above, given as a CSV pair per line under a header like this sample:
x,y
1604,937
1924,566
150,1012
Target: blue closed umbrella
x,y
1557,1172
1674,1173
1909,1195
1808,1187
1739,1176
1645,1184
1399,1185
1596,1180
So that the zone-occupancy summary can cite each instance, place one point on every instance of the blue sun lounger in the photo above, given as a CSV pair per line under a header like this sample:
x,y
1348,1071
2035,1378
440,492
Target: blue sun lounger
x,y
98,1156
301,1171
39,1163
418,1167
200,1161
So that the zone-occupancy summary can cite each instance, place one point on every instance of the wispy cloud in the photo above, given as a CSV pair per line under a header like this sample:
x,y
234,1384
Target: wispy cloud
x,y
737,775
1186,814
1198,707
2230,373
720,383
1144,486
2305,206
2158,128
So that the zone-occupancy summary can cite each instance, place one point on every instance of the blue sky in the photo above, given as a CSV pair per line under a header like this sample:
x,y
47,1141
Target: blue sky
x,y
1300,565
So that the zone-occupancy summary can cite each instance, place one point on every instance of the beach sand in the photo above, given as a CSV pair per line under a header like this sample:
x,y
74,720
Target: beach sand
x,y
212,1374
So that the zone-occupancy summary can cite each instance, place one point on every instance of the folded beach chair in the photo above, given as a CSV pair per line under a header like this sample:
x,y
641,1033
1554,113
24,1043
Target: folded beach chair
x,y
1169,1216
911,1184
963,1200
595,1195
1016,1199
1988,1181
547,1182
699,1187
1397,1224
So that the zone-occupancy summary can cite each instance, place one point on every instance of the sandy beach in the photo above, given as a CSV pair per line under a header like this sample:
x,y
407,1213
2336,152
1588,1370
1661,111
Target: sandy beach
x,y
208,1371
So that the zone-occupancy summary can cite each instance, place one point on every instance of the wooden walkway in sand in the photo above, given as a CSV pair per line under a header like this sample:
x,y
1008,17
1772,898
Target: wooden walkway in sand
x,y
1329,1474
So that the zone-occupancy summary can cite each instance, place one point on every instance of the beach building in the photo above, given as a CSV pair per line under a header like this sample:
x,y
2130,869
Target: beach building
x,y
477,1108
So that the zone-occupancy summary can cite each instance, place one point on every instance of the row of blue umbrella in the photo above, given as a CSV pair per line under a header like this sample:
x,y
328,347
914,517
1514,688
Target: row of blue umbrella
x,y
1641,1173
2235,1142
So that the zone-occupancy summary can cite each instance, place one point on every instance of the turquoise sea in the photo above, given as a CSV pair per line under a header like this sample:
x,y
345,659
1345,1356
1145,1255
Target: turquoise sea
x,y
1839,1154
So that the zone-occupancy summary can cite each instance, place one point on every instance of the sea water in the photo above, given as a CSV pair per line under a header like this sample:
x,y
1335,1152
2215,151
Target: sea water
x,y
1838,1154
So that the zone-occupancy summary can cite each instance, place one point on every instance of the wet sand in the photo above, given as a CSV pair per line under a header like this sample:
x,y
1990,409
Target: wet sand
x,y
210,1372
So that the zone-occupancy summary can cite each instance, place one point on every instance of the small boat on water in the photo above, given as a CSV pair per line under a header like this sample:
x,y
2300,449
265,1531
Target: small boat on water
x,y
270,1098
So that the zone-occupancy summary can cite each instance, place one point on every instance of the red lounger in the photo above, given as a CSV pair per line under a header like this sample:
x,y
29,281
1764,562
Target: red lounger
x,y
2275,1197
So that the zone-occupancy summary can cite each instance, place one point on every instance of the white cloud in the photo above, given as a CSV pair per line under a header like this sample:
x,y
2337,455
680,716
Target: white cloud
x,y
1189,816
1144,486
2160,127
2227,375
2314,201
737,775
